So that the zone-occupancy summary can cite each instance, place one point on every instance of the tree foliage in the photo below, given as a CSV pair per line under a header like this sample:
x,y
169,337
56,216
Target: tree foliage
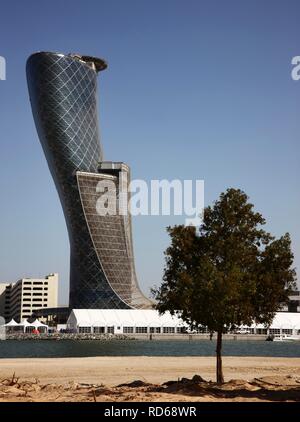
x,y
230,273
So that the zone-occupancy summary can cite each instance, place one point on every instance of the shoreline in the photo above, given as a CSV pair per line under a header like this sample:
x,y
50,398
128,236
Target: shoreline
x,y
128,337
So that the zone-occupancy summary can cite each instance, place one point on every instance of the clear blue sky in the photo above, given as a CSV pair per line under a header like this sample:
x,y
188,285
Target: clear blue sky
x,y
194,90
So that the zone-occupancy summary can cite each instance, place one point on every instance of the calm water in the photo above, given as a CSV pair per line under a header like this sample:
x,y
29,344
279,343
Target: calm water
x,y
67,348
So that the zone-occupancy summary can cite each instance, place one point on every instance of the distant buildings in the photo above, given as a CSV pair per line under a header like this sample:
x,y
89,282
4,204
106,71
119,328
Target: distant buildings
x,y
63,95
21,299
293,304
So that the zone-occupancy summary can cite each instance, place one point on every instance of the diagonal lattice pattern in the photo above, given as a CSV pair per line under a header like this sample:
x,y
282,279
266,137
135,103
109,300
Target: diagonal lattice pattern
x,y
63,94
111,236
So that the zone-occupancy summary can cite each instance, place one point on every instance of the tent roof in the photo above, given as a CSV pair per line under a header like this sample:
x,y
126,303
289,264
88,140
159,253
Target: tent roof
x,y
287,320
38,323
122,317
34,324
12,323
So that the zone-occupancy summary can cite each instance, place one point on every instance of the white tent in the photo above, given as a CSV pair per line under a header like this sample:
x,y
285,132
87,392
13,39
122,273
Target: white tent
x,y
12,323
89,319
25,324
12,326
148,320
283,321
35,325
38,324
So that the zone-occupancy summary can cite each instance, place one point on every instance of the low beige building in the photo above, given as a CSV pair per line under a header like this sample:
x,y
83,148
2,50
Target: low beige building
x,y
19,300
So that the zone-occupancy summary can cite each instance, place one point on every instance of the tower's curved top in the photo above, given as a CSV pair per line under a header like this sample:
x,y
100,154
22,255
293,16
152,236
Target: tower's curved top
x,y
63,94
96,62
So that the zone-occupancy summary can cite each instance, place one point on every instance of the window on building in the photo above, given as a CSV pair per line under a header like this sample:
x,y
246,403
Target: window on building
x,y
261,331
169,330
128,330
37,288
37,294
155,330
274,331
141,330
85,330
293,306
27,283
26,294
27,288
99,330
287,331
38,283
180,330
110,330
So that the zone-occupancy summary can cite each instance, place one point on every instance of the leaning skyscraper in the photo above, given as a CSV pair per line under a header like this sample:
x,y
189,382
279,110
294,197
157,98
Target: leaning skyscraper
x,y
63,95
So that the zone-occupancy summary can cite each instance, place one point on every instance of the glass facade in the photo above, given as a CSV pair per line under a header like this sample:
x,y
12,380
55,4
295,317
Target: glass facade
x,y
63,95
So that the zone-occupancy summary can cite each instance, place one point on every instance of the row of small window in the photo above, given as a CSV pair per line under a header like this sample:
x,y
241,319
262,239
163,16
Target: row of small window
x,y
132,330
273,331
278,331
35,283
96,330
35,294
35,288
35,299
153,330
34,305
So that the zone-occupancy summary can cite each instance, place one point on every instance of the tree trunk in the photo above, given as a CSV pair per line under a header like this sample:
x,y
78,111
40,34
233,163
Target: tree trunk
x,y
220,378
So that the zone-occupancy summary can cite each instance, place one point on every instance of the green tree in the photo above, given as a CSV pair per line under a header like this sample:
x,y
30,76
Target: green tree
x,y
230,273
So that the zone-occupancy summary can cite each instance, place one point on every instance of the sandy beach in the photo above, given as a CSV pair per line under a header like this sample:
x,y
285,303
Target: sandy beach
x,y
99,379
116,370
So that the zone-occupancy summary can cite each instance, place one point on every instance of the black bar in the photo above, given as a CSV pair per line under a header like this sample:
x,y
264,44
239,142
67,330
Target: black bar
x,y
136,410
